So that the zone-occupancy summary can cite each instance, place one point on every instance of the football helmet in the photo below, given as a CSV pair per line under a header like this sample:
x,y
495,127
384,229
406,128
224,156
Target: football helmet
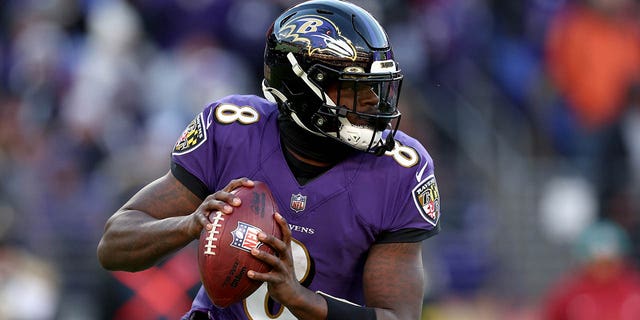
x,y
321,48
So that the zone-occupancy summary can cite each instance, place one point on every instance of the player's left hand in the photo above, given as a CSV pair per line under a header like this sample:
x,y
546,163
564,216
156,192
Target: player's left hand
x,y
281,281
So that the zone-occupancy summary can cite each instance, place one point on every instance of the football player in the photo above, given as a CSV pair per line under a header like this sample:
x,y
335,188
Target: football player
x,y
357,196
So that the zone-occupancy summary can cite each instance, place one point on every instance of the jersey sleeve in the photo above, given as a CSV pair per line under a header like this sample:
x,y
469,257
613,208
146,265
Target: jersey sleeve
x,y
194,152
189,180
205,157
414,213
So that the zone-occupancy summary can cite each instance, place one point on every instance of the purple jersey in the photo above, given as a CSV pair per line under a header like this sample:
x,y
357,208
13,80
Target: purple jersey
x,y
334,218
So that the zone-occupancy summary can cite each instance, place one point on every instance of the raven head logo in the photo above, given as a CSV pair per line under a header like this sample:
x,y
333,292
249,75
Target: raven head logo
x,y
318,34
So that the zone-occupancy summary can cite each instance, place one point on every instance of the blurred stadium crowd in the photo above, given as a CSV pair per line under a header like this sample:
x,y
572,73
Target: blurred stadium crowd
x,y
530,108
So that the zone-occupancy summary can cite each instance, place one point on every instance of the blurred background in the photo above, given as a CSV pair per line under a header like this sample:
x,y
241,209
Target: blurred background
x,y
530,109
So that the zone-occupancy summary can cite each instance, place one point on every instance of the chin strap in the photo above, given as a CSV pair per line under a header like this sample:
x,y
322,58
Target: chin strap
x,y
388,145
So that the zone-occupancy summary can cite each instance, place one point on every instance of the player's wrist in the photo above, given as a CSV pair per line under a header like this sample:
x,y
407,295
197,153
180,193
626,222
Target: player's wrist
x,y
300,298
190,226
343,309
302,302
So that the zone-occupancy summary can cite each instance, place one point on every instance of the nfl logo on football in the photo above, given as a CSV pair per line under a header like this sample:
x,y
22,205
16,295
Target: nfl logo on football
x,y
245,237
298,202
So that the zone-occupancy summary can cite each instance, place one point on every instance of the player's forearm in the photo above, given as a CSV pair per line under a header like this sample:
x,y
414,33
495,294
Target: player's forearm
x,y
134,241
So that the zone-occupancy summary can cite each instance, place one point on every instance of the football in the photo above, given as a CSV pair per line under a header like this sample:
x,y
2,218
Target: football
x,y
224,252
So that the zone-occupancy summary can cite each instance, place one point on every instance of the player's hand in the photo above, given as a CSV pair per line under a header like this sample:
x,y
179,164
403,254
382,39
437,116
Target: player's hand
x,y
221,200
281,281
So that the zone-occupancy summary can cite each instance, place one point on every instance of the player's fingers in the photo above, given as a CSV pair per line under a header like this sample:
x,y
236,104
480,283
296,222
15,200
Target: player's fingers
x,y
201,223
219,201
284,228
203,220
223,200
259,276
279,245
207,221
266,257
236,183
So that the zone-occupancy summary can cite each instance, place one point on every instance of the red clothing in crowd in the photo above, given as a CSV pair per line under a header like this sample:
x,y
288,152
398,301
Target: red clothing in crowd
x,y
596,293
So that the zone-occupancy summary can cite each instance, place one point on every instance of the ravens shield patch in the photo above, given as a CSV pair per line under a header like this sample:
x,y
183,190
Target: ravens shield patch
x,y
427,199
193,136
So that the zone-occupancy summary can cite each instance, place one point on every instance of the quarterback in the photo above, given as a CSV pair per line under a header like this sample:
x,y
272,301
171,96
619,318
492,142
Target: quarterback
x,y
357,196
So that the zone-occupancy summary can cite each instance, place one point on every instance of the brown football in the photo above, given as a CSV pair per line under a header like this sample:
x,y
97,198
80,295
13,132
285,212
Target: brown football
x,y
224,252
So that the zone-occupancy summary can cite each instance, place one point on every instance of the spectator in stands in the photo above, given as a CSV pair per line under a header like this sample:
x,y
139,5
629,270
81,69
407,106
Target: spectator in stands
x,y
593,60
603,285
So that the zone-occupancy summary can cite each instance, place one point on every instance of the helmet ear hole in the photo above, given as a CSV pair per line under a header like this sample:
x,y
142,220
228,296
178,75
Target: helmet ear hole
x,y
319,77
319,120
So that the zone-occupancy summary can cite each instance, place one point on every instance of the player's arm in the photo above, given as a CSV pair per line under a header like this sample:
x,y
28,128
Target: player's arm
x,y
161,218
393,285
393,282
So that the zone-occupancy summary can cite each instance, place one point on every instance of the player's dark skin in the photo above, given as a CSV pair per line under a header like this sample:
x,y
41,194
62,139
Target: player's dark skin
x,y
165,216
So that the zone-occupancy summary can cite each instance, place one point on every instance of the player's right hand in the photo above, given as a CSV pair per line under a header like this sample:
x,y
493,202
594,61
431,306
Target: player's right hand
x,y
222,200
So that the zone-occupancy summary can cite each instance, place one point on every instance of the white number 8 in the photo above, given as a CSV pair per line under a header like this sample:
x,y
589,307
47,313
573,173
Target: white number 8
x,y
227,113
405,156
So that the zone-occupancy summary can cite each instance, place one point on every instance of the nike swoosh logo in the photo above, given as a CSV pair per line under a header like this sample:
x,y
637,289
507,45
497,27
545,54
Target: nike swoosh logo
x,y
209,121
421,172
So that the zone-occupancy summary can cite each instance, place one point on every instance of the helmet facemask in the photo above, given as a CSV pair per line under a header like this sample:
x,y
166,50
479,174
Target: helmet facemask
x,y
362,107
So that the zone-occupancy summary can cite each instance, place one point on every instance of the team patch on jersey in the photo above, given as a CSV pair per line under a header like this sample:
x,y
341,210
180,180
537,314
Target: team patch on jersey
x,y
427,199
298,202
192,137
245,237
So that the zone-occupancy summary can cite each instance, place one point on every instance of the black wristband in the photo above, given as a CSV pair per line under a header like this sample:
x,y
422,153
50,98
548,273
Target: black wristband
x,y
339,309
